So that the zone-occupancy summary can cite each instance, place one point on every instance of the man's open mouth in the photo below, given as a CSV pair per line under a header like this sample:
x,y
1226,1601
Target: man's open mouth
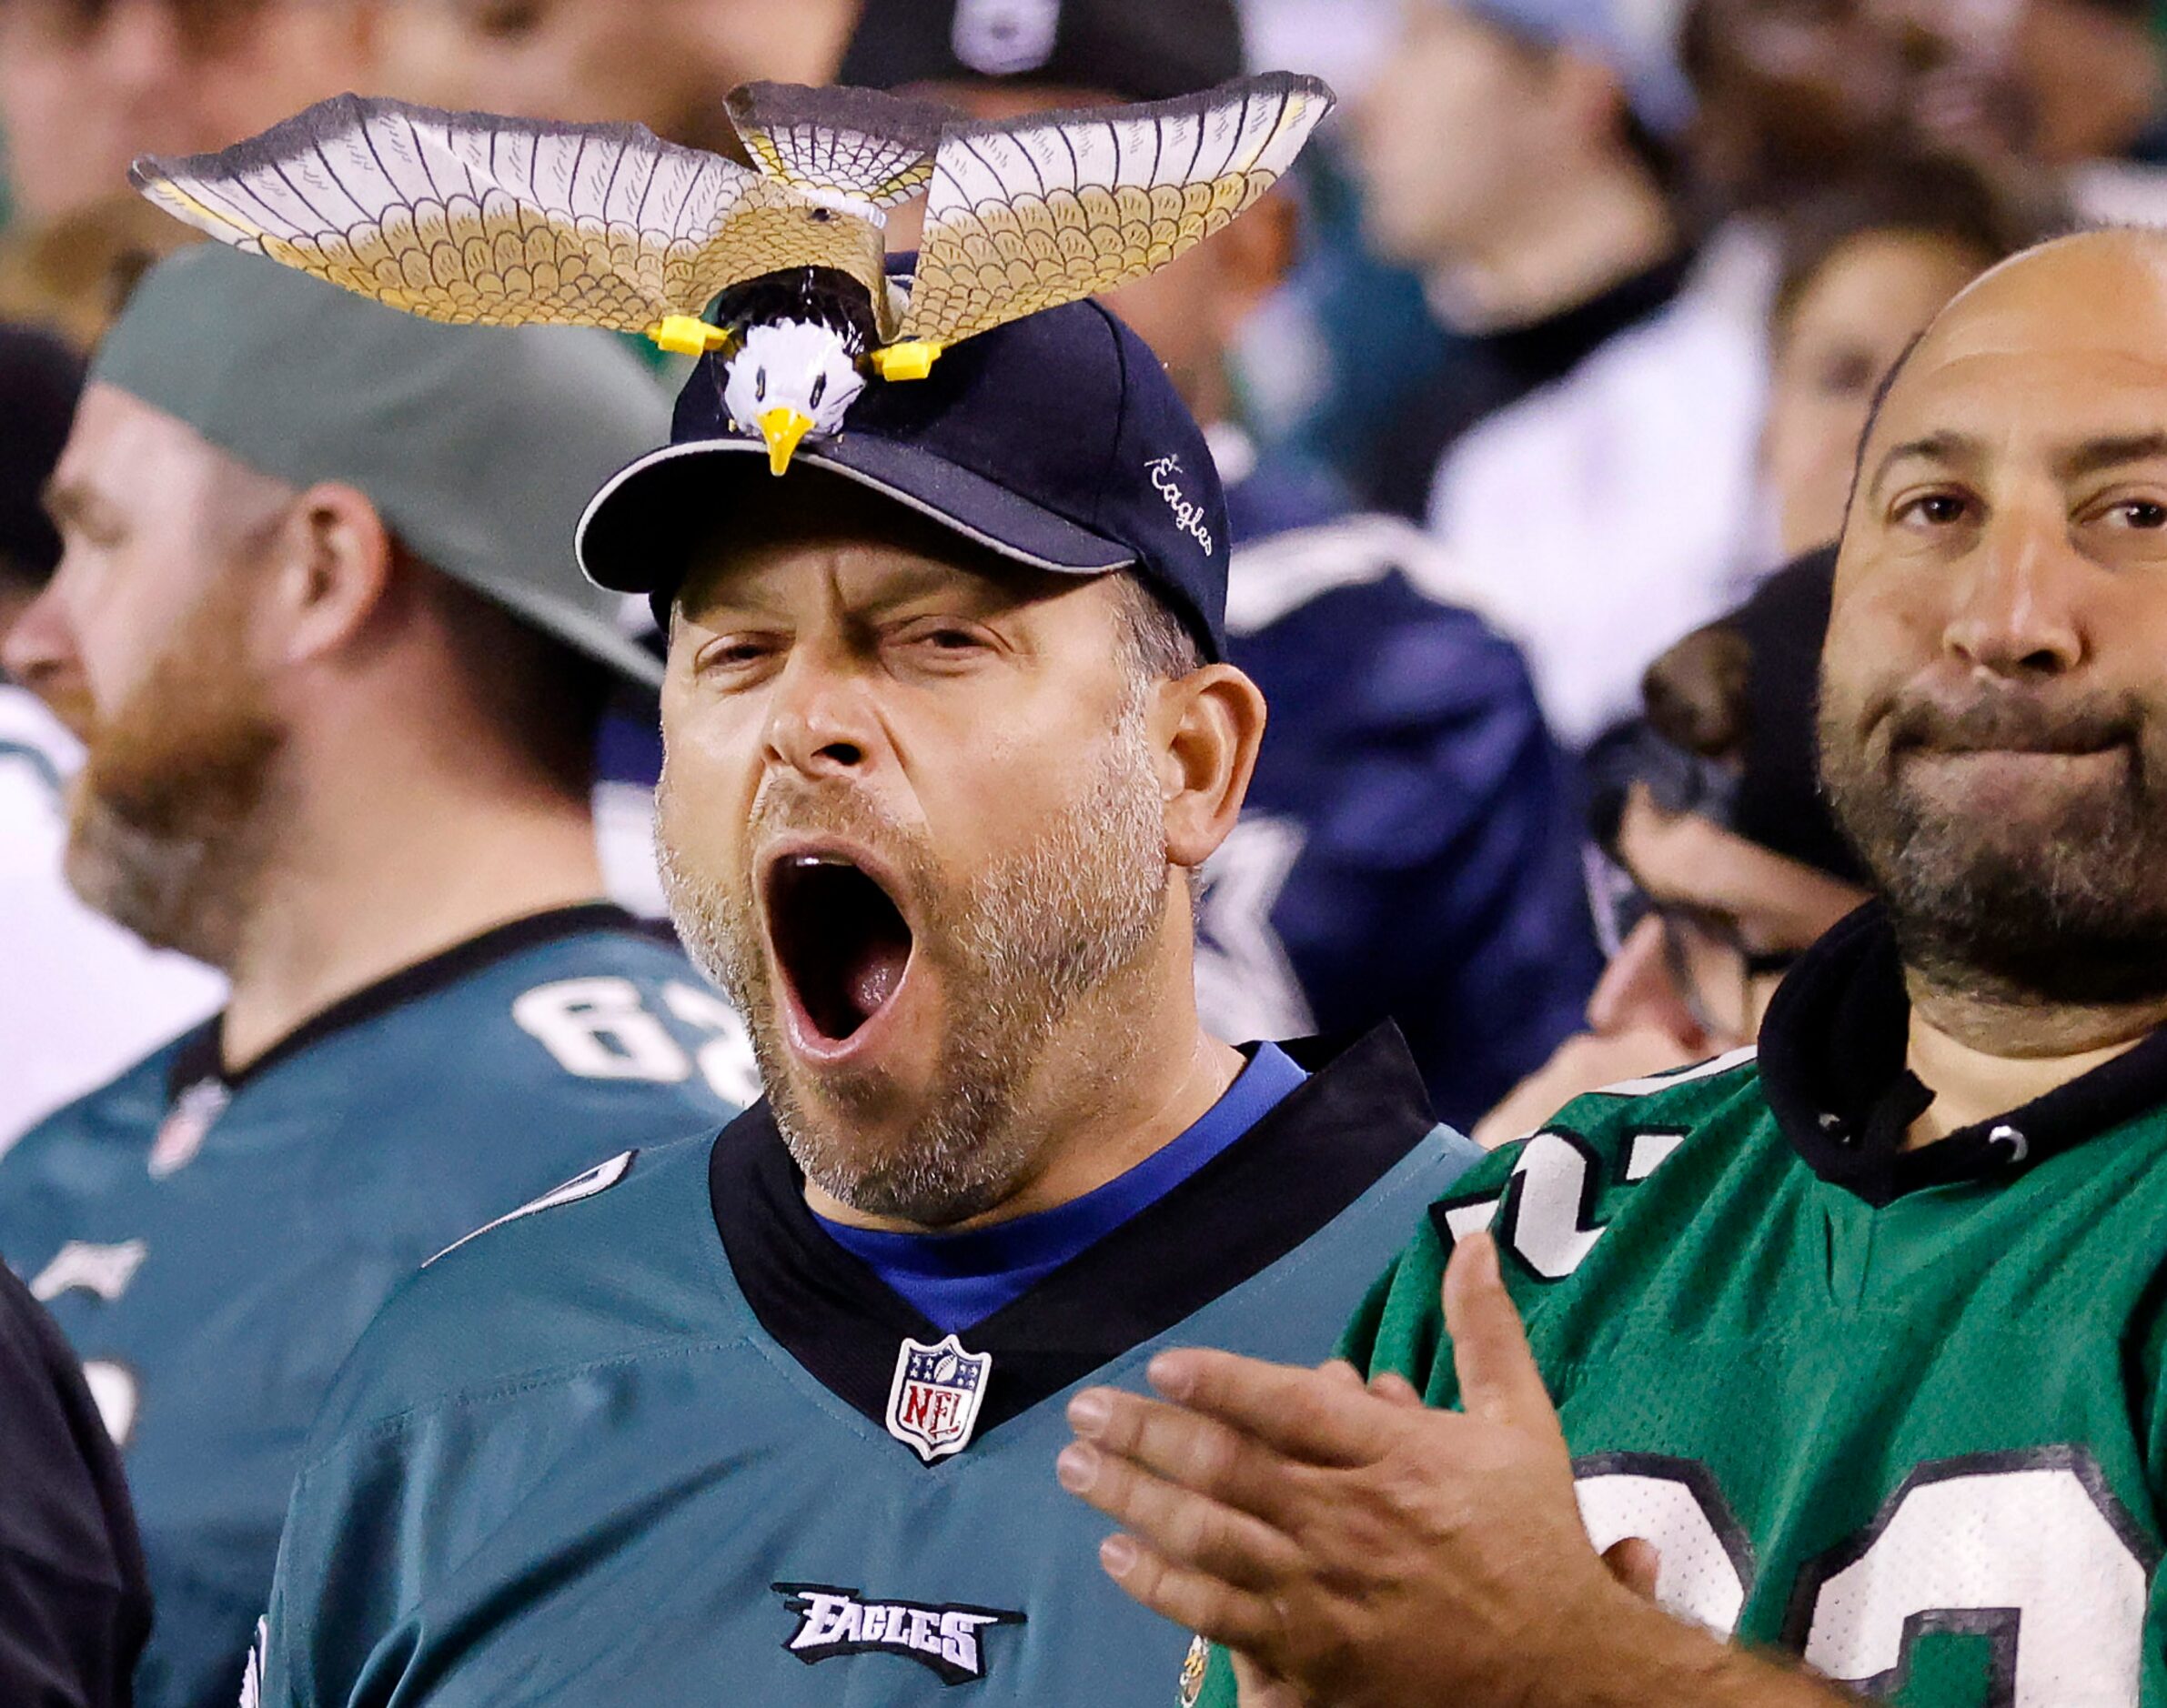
x,y
839,938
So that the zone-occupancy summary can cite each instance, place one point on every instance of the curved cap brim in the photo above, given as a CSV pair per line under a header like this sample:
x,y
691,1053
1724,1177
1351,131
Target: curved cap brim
x,y
640,531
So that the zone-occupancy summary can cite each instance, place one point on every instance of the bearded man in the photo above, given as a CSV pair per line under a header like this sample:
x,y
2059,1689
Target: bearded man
x,y
1864,1335
336,677
770,1419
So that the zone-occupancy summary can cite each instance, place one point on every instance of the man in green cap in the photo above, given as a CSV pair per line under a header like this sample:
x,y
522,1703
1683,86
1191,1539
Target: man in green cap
x,y
320,630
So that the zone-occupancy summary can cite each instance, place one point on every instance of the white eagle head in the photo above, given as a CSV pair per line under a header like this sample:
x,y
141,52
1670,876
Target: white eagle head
x,y
789,378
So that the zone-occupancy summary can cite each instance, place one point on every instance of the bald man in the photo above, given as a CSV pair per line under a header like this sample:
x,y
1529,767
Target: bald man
x,y
1838,1369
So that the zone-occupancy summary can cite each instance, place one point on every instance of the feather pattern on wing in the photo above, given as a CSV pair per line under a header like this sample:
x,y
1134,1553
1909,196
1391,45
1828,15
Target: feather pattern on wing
x,y
1026,214
469,218
861,145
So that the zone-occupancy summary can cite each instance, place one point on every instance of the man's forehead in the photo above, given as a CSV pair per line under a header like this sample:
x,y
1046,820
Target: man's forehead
x,y
2035,371
2094,304
118,439
813,565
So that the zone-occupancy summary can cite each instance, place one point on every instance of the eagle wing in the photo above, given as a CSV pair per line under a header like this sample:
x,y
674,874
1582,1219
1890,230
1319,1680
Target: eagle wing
x,y
861,145
470,219
1029,213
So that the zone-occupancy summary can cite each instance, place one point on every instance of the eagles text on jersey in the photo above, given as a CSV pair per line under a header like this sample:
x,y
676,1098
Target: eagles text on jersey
x,y
669,1442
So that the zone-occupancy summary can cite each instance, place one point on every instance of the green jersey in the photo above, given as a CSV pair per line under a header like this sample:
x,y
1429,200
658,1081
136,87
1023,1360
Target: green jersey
x,y
665,1442
1895,1411
213,1243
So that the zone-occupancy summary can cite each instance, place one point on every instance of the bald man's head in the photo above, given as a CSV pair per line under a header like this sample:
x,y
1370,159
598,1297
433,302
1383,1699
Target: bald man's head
x,y
1994,698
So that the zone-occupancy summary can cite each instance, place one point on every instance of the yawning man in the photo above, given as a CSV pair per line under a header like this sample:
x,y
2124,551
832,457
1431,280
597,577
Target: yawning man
x,y
771,1417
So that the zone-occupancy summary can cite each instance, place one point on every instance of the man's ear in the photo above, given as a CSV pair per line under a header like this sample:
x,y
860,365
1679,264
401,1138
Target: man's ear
x,y
1207,725
335,561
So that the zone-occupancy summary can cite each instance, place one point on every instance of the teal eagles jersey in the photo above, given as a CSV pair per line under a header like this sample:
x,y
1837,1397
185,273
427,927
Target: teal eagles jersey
x,y
212,1247
664,1442
1898,1413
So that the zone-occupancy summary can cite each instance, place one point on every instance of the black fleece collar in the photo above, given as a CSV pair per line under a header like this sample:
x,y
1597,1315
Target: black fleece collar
x,y
1832,1064
1361,1110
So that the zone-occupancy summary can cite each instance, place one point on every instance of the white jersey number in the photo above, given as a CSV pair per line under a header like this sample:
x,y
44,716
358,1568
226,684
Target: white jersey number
x,y
2028,1549
602,1028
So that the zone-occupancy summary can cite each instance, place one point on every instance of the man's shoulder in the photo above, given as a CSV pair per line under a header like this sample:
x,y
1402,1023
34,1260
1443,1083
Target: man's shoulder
x,y
621,1259
122,1111
594,1008
1621,1132
1376,571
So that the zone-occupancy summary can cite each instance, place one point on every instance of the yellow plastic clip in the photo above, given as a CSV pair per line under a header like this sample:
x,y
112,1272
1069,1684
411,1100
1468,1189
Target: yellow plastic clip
x,y
684,334
911,359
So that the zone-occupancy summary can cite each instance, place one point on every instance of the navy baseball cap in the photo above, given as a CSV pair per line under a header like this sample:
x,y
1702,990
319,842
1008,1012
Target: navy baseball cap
x,y
1140,50
1055,440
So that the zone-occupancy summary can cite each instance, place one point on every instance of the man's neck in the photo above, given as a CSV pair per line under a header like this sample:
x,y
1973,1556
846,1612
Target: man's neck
x,y
345,905
1589,236
1983,1057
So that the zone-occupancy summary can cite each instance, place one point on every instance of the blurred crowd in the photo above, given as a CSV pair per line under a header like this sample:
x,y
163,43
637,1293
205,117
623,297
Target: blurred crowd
x,y
1536,392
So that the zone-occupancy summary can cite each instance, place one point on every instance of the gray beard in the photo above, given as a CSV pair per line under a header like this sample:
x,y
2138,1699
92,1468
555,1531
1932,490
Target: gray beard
x,y
1019,947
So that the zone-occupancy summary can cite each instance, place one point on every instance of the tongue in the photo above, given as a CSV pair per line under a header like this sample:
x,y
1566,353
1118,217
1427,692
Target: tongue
x,y
873,980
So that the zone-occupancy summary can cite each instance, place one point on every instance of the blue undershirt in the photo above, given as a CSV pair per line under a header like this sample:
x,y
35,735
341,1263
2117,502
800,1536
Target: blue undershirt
x,y
958,1279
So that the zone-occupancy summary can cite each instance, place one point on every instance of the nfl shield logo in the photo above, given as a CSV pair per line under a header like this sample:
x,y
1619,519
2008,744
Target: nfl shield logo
x,y
187,1124
934,1405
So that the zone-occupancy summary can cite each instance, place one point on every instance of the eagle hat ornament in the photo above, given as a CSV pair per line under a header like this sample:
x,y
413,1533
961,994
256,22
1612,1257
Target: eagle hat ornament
x,y
777,269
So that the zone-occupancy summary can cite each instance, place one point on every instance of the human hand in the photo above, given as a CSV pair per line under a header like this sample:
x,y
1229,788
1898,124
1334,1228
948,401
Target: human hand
x,y
1354,1546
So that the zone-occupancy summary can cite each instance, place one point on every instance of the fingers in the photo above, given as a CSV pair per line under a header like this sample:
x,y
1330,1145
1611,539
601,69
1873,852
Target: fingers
x,y
1184,1447
1308,1416
1499,1383
1179,1525
1393,1389
1636,1565
1196,1600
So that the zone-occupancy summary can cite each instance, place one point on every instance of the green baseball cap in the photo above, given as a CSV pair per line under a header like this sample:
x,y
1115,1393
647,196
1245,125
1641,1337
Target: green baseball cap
x,y
479,445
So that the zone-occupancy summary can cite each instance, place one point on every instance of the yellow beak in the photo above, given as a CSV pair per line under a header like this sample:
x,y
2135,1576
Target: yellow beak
x,y
783,427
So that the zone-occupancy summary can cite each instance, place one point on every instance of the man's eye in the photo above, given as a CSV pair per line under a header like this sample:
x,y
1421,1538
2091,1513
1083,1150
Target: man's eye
x,y
736,654
2141,513
1935,509
945,637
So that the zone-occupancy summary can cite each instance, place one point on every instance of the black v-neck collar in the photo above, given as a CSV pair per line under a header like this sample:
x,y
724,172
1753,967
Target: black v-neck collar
x,y
1832,1066
200,1056
1361,1111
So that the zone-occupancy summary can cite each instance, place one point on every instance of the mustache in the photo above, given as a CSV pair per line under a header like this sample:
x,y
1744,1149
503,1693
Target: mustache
x,y
786,801
2013,721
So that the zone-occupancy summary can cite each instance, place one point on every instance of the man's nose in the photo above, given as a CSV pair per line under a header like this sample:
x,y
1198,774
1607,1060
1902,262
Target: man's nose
x,y
820,719
39,650
1638,988
2018,605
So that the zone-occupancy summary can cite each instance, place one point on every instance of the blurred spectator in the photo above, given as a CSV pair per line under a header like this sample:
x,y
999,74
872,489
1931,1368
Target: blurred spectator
x,y
1409,847
79,996
2088,77
1788,96
665,64
1508,152
1723,864
1863,267
85,86
73,1604
1585,451
318,624
74,274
